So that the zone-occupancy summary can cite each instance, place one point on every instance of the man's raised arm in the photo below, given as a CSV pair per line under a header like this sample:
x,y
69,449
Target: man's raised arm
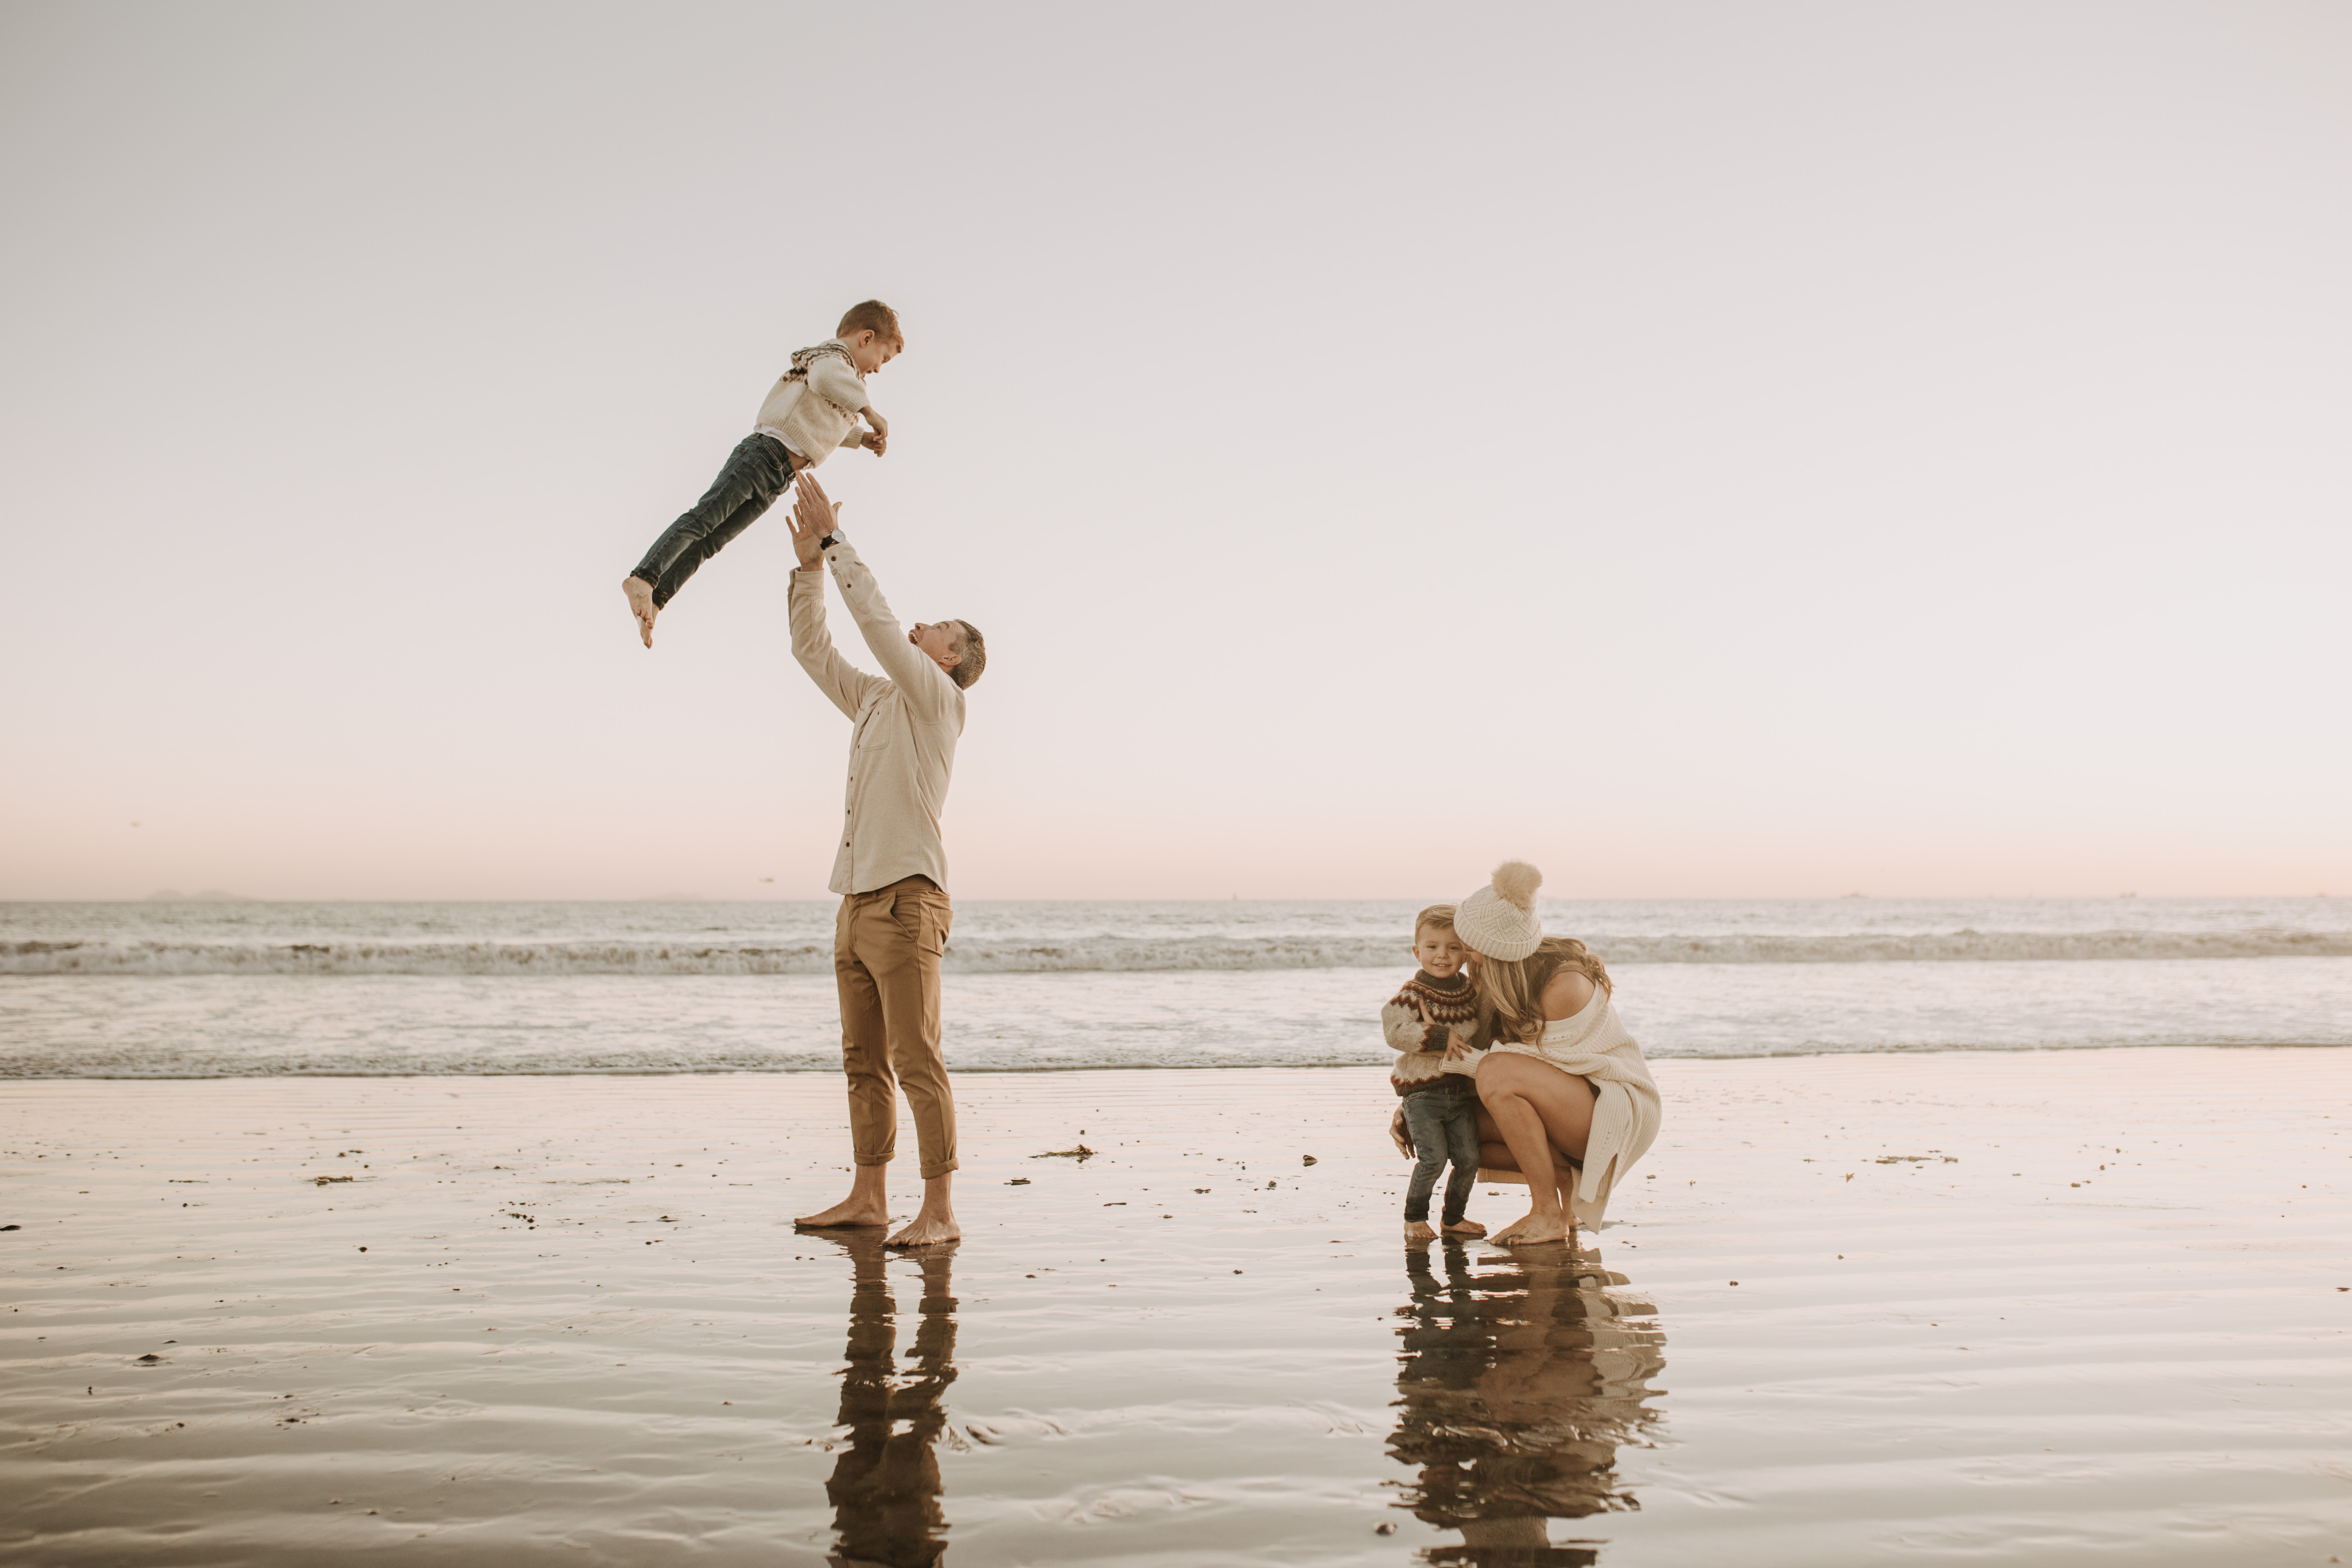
x,y
847,685
922,682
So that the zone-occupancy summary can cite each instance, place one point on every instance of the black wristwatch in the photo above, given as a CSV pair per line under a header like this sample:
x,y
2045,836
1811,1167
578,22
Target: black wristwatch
x,y
828,542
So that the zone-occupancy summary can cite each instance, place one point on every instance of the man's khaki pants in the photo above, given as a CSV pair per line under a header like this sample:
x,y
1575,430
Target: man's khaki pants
x,y
885,960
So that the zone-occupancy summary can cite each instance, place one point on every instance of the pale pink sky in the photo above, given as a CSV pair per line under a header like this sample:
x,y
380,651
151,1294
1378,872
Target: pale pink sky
x,y
1707,449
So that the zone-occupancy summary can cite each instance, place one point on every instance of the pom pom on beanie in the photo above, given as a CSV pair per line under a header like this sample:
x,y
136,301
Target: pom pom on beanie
x,y
1499,919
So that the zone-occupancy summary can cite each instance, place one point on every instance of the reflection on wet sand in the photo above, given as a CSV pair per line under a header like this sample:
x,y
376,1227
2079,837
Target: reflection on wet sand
x,y
1520,1379
885,1488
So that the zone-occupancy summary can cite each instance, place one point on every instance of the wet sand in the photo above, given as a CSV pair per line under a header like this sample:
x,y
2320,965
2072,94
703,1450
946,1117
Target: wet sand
x,y
1996,1307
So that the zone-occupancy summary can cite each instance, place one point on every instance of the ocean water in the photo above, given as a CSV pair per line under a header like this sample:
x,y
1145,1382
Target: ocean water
x,y
232,989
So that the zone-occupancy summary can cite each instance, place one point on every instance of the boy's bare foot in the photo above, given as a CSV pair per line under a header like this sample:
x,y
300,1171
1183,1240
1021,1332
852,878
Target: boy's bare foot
x,y
1465,1227
1418,1230
641,605
854,1210
1534,1228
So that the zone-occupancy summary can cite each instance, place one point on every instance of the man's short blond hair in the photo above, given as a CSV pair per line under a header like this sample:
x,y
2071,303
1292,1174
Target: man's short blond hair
x,y
872,316
971,651
1439,917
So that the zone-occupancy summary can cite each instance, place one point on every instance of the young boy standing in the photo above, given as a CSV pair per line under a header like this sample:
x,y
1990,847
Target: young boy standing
x,y
811,409
1430,1025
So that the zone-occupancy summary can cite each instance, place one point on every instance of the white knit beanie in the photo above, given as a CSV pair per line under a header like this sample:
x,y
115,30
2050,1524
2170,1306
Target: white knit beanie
x,y
1499,919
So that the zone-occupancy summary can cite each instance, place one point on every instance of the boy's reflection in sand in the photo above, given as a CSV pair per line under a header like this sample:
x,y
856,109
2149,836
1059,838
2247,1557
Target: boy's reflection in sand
x,y
885,1485
1518,1383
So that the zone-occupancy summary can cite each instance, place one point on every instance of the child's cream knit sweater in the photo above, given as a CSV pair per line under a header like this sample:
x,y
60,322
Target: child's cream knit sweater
x,y
1421,1045
813,407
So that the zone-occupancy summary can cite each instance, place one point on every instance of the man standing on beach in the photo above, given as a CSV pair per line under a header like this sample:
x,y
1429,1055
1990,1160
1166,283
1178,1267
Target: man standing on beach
x,y
891,869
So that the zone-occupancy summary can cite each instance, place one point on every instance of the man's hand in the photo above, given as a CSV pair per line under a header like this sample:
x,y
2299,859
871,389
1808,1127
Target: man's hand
x,y
814,517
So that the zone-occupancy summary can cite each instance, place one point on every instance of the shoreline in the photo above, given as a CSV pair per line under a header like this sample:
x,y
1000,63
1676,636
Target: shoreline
x,y
198,1027
1042,1069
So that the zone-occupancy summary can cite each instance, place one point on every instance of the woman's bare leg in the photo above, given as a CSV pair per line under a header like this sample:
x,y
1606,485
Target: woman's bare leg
x,y
1535,1106
1494,1154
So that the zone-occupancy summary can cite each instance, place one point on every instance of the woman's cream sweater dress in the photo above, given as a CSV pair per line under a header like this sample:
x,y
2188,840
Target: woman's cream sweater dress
x,y
1594,1044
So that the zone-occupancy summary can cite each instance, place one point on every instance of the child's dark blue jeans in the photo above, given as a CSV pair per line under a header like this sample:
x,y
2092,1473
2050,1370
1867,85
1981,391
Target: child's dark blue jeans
x,y
755,473
1443,1122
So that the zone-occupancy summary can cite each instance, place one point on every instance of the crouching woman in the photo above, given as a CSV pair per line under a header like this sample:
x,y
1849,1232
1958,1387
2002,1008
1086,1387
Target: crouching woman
x,y
1568,1103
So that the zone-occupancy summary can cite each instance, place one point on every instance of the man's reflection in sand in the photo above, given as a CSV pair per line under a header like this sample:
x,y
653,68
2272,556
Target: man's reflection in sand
x,y
885,1485
1520,1379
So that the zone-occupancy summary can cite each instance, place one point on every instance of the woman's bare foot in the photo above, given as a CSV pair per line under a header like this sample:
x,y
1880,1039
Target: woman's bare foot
x,y
1533,1226
857,1209
1418,1230
641,605
1465,1227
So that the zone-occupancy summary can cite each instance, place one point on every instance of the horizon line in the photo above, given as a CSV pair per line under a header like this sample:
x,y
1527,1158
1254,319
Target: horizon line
x,y
169,896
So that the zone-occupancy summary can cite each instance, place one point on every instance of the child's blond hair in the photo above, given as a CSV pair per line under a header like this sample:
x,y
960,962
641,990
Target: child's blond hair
x,y
1437,917
872,316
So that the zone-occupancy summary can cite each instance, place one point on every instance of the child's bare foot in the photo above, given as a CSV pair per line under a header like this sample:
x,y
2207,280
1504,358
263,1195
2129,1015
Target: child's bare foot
x,y
1418,1230
641,605
1534,1226
1465,1227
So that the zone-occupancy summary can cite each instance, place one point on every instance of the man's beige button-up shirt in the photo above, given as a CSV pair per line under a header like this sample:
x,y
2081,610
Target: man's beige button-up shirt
x,y
903,748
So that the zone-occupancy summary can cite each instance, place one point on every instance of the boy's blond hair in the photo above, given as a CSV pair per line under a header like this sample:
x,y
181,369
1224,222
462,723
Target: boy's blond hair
x,y
872,316
1439,916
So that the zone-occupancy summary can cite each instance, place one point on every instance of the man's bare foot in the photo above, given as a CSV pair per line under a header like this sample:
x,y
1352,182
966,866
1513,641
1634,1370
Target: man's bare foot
x,y
1418,1230
853,1210
928,1228
1534,1228
1465,1227
641,605
933,1223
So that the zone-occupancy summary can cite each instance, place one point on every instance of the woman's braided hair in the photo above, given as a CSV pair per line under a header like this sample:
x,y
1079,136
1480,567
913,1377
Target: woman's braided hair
x,y
1513,988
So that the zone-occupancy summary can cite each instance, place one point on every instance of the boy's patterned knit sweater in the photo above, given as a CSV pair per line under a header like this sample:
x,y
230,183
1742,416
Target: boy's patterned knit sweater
x,y
1421,1061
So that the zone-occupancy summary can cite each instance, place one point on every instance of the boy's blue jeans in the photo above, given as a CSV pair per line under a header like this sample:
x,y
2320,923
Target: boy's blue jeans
x,y
1443,1122
755,473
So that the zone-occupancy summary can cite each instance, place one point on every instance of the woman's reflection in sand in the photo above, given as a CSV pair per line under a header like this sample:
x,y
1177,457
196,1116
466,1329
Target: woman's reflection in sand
x,y
885,1485
1520,1380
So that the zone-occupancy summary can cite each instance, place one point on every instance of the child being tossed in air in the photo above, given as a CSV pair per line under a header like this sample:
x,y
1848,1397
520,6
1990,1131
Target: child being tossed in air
x,y
1431,1024
811,410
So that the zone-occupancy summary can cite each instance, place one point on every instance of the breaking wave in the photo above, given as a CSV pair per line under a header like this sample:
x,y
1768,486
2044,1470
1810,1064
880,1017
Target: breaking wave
x,y
1111,954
